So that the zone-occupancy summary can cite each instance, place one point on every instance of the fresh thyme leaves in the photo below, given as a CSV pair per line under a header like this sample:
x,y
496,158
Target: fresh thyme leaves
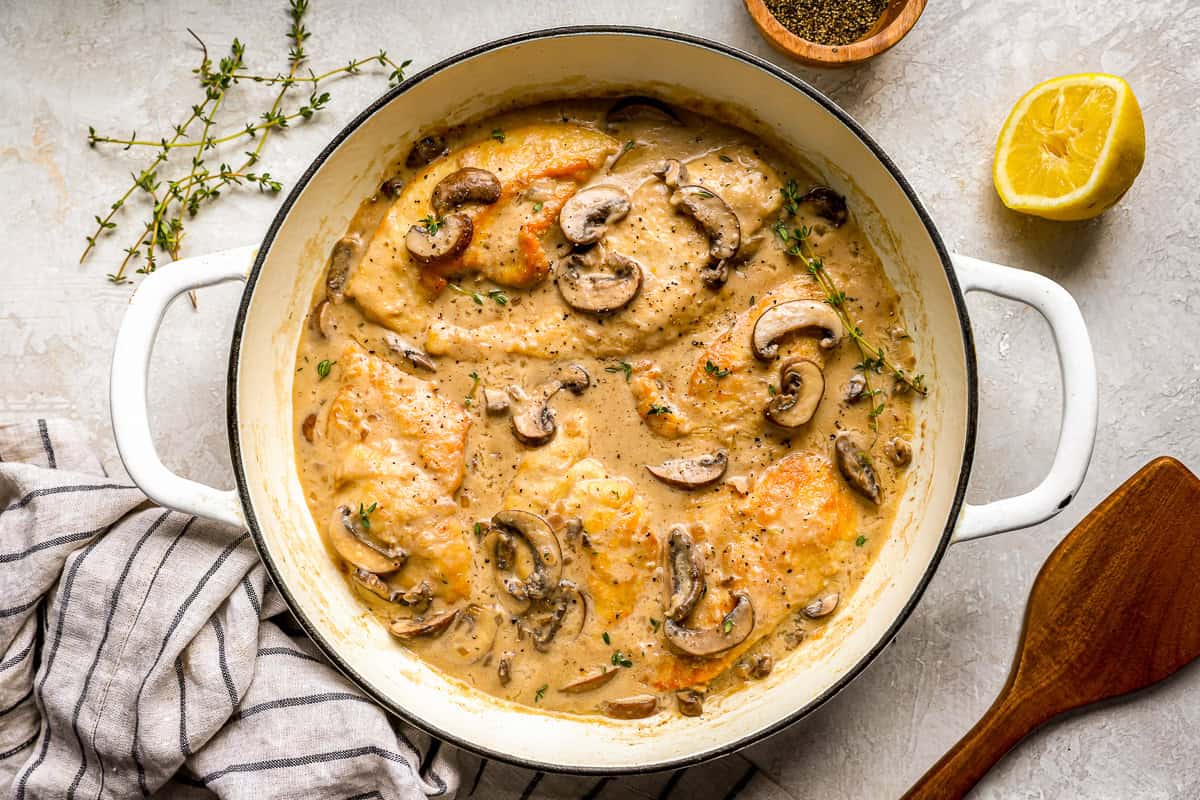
x,y
621,366
537,207
470,398
607,639
540,693
655,410
497,296
725,158
791,197
432,224
654,623
176,197
629,145
727,625
860,541
323,368
715,371
364,515
498,134
619,659
874,359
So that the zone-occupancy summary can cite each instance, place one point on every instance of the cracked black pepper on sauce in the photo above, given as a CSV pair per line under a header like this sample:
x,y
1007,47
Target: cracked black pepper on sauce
x,y
831,22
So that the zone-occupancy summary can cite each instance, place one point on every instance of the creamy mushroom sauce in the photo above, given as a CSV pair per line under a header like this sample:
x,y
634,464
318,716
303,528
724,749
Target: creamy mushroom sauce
x,y
405,467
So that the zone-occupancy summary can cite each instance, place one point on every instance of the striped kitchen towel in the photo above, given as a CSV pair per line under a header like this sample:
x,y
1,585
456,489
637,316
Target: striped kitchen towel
x,y
145,653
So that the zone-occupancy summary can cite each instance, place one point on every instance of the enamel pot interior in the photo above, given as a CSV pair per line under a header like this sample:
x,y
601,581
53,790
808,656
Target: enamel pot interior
x,y
591,62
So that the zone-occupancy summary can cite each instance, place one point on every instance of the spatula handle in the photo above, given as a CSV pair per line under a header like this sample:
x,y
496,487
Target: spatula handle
x,y
1007,722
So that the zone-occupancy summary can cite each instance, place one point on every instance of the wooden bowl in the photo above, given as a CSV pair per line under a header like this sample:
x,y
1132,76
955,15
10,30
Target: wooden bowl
x,y
896,21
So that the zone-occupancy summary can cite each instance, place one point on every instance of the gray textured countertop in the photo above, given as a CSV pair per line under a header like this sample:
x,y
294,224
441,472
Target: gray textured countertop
x,y
935,103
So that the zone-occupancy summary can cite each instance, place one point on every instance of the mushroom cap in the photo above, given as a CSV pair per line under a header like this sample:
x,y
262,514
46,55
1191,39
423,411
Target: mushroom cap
x,y
686,582
467,185
801,387
690,702
427,149
640,106
411,353
533,419
856,467
589,682
638,706
448,239
827,204
711,213
792,316
691,473
427,625
586,215
598,288
541,539
822,606
732,631
674,173
342,257
360,549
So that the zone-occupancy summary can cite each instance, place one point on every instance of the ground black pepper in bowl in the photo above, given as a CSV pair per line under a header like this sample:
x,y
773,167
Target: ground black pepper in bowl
x,y
829,22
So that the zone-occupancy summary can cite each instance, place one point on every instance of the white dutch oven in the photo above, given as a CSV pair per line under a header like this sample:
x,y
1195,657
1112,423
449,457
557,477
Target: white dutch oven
x,y
280,275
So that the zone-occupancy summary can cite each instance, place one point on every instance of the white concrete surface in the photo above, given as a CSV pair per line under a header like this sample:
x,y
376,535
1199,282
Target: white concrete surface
x,y
935,103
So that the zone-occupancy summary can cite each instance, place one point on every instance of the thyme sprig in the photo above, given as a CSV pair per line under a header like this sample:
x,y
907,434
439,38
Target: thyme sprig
x,y
174,199
874,359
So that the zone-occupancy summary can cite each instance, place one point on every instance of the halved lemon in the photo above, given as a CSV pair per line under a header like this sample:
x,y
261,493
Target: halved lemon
x,y
1071,147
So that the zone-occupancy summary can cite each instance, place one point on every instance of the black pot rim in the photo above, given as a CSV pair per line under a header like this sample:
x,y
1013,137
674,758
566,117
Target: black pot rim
x,y
330,650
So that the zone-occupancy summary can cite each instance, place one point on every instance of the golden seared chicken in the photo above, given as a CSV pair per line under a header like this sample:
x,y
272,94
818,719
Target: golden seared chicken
x,y
670,249
577,416
536,167
399,450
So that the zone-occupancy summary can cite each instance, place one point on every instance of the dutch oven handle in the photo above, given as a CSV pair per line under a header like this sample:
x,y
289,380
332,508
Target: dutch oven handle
x,y
131,365
1077,434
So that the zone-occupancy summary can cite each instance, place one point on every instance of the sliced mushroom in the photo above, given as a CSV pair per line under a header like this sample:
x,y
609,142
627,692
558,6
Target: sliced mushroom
x,y
822,606
394,554
504,667
855,387
392,187
856,467
791,317
371,583
547,554
473,634
674,173
589,682
533,419
639,706
413,354
426,149
691,473
543,625
760,666
427,625
467,185
322,319
598,282
719,223
801,387
495,401
690,702
638,106
340,261
585,217
687,583
436,241
899,451
732,631
308,427
827,204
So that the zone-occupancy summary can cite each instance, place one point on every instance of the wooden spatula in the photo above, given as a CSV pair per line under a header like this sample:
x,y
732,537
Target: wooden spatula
x,y
1115,608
